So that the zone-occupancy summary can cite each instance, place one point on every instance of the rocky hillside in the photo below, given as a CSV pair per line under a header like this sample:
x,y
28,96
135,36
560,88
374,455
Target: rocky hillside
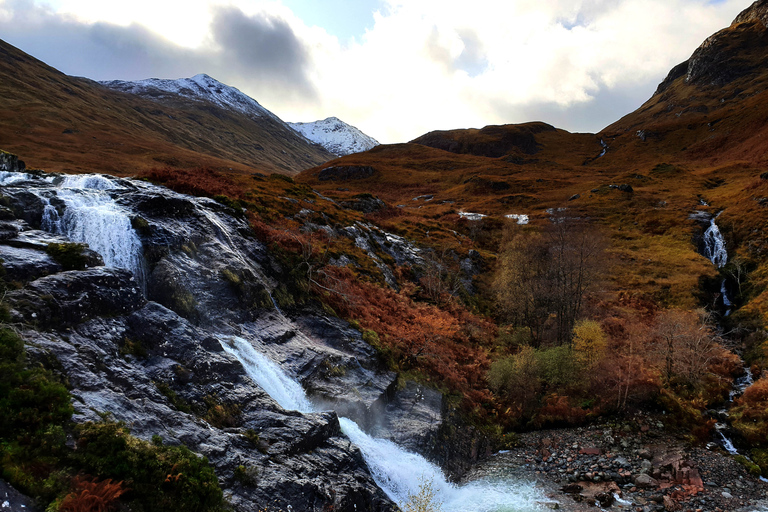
x,y
336,136
76,125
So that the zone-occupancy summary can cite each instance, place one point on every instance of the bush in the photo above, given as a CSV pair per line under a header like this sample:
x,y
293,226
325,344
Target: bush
x,y
750,414
160,478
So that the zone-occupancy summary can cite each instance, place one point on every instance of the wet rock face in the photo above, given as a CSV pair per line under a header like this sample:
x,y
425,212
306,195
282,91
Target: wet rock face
x,y
164,372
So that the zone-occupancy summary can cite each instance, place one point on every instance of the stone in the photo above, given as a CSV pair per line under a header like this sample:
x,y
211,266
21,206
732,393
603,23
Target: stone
x,y
644,481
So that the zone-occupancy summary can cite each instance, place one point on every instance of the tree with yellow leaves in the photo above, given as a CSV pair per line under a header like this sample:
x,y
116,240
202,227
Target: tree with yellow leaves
x,y
589,342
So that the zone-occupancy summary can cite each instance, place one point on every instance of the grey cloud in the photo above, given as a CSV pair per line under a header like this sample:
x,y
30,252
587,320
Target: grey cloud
x,y
260,54
606,107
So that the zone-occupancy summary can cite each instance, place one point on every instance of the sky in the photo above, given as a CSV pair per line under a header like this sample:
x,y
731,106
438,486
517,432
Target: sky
x,y
396,69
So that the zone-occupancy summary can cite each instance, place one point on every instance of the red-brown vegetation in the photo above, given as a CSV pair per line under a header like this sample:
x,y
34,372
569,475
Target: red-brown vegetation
x,y
92,495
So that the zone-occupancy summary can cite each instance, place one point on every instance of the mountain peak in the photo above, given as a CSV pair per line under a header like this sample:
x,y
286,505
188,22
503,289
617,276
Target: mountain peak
x,y
201,87
335,136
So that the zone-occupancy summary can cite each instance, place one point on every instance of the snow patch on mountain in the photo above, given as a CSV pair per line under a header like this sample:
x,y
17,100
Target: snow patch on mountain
x,y
336,136
199,87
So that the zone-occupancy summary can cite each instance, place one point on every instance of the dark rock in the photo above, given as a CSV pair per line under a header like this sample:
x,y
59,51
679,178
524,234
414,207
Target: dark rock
x,y
645,481
574,197
364,203
11,163
626,188
74,296
346,172
12,500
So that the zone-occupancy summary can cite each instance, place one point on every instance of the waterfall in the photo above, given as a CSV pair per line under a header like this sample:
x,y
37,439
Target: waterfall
x,y
398,472
714,245
714,249
90,216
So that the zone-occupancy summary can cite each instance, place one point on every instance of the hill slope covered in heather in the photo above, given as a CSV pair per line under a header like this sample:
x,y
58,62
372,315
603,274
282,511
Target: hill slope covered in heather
x,y
74,124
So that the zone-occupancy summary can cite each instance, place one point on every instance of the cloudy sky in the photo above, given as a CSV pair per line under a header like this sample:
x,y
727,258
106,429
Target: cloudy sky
x,y
394,68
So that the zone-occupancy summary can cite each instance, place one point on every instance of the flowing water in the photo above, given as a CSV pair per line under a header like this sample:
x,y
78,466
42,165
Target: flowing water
x,y
714,249
397,471
92,216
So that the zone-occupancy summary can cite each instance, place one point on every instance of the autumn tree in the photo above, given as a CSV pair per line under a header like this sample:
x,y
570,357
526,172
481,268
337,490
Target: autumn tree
x,y
589,342
542,278
685,345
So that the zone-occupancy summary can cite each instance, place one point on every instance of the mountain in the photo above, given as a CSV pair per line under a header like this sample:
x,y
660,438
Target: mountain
x,y
64,123
336,136
710,108
201,88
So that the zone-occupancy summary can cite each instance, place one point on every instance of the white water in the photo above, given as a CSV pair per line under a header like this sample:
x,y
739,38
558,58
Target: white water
x,y
714,249
714,245
398,472
91,216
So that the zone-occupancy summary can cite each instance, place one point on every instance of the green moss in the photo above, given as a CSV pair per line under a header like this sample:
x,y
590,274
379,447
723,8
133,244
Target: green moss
x,y
751,467
179,403
246,475
133,347
760,457
221,415
140,224
69,255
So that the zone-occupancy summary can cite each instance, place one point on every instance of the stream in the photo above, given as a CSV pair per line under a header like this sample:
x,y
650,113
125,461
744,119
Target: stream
x,y
715,250
397,471
89,209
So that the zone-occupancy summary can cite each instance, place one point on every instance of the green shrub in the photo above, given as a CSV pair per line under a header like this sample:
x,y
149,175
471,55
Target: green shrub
x,y
160,478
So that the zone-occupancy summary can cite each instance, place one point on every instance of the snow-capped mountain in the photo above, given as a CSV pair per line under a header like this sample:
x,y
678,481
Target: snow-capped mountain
x,y
336,136
199,87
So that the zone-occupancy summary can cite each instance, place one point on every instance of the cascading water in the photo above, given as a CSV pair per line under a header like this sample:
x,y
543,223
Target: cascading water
x,y
714,249
90,216
398,472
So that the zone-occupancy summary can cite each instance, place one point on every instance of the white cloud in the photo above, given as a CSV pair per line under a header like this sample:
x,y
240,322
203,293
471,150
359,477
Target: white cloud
x,y
440,64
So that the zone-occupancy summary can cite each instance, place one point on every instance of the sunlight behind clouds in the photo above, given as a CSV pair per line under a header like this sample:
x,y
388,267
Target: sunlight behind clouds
x,y
422,64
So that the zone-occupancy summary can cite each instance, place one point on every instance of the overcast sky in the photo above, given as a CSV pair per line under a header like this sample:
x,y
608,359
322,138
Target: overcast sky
x,y
394,68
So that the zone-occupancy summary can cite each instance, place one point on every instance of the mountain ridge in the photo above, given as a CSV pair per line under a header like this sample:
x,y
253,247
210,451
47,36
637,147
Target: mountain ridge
x,y
72,124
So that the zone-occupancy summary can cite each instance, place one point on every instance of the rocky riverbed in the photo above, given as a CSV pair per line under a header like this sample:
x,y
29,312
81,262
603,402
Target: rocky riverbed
x,y
634,465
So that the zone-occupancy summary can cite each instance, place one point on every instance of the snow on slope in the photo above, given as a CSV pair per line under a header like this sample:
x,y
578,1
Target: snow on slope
x,y
336,136
199,87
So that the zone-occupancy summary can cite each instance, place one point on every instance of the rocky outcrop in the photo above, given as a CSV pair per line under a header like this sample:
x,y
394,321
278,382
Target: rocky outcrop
x,y
156,361
758,11
11,163
733,53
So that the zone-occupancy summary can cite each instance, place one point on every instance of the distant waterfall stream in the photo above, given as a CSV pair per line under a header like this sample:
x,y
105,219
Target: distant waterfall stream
x,y
397,471
714,249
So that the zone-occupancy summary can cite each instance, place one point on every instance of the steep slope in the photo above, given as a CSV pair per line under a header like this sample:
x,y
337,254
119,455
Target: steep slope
x,y
710,108
74,124
336,136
